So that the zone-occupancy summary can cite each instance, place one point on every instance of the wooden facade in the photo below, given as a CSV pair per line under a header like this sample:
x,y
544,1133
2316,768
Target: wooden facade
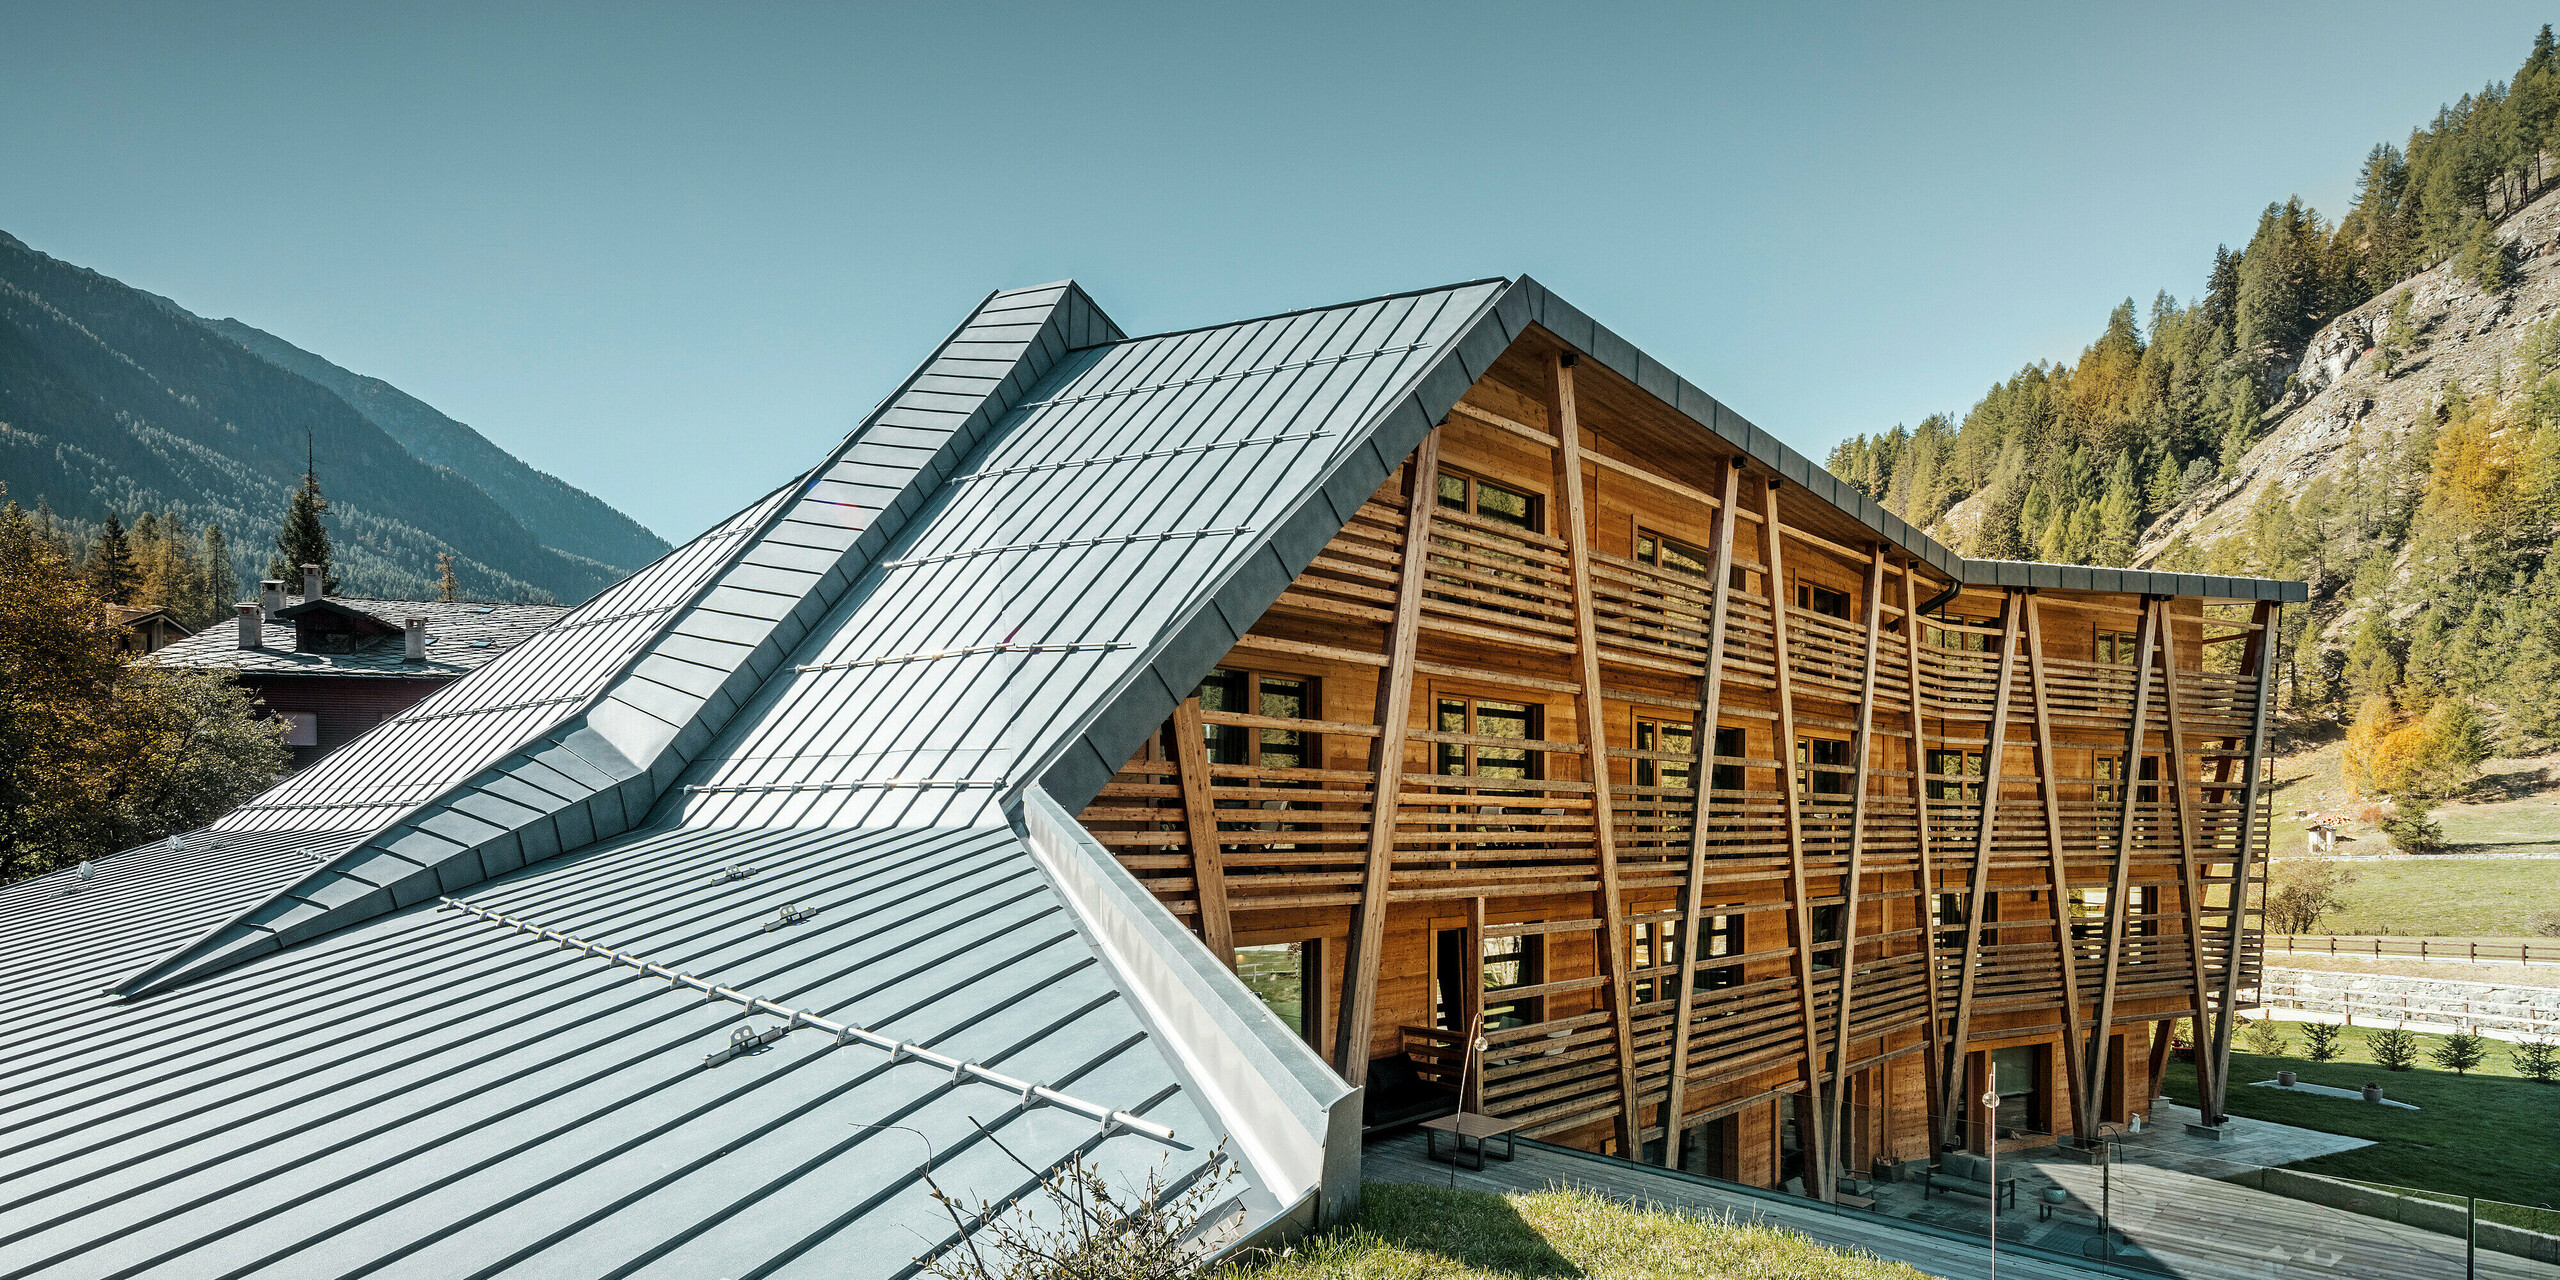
x,y
1456,770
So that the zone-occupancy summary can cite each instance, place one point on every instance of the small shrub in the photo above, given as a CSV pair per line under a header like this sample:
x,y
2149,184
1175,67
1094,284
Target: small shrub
x,y
2536,1060
2262,1038
2320,1042
2545,924
1088,1228
2395,1048
2460,1052
2370,814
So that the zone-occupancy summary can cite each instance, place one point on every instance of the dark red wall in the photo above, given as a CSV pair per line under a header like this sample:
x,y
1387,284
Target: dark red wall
x,y
346,705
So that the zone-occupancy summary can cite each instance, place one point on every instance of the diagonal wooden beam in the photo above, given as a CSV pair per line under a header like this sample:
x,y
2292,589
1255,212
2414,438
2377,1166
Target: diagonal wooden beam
x,y
2119,885
1386,766
1199,814
1925,878
2190,876
1817,1175
2258,656
1702,755
1954,1106
1574,528
2084,1108
1861,743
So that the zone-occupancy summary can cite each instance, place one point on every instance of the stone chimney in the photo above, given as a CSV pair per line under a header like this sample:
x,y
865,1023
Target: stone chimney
x,y
310,583
252,633
271,596
417,640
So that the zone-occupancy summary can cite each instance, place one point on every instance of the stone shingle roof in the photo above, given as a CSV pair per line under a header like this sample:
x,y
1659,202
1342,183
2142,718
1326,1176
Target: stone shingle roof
x,y
461,636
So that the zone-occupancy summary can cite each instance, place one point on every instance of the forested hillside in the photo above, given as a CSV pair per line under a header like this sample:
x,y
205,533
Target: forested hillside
x,y
117,402
2368,404
562,515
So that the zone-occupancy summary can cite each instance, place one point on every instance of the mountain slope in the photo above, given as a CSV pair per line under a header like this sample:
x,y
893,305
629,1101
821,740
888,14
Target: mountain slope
x,y
561,514
112,399
2343,411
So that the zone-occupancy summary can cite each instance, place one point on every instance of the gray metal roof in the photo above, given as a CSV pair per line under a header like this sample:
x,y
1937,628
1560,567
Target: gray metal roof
x,y
428,1094
461,636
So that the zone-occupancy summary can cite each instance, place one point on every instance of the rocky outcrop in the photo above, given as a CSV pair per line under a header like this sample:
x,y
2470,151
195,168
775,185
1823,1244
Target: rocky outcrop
x,y
2338,405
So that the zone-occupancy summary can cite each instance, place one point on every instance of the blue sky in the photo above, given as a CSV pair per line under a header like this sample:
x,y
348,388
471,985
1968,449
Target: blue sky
x,y
670,252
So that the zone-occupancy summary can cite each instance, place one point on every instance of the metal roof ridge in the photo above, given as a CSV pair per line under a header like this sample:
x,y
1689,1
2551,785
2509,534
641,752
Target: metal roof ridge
x,y
1331,306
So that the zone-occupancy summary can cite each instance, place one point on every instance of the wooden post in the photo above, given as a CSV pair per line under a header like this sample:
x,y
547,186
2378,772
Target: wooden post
x,y
1573,527
1471,1011
1957,1104
1925,879
2269,617
1817,1174
2084,1107
1702,754
1386,764
2119,886
2190,881
1208,858
1862,743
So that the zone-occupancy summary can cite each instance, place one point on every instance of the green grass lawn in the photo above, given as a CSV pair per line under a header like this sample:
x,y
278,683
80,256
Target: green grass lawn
x,y
1427,1233
2472,898
2489,1134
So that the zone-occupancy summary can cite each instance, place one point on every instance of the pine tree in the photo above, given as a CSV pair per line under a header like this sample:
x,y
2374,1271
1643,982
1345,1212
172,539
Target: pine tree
x,y
2119,515
112,574
218,584
448,587
303,539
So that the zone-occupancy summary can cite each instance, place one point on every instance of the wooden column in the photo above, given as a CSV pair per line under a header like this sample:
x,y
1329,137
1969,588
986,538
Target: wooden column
x,y
1199,814
1862,743
1573,526
1386,764
1817,1175
1702,755
2260,657
2118,887
1955,1105
1471,1010
1925,878
2190,880
2084,1105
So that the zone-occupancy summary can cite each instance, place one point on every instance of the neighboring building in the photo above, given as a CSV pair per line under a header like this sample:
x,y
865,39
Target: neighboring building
x,y
678,940
140,631
336,666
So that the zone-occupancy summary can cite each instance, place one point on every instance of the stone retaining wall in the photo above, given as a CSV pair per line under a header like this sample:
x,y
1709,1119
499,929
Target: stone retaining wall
x,y
2384,999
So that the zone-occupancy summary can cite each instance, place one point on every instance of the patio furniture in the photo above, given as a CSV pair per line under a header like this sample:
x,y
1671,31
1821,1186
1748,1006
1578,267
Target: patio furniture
x,y
1971,1174
1470,1135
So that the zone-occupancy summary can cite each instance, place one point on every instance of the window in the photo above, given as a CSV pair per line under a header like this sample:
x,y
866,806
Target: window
x,y
2018,1077
1942,637
1487,718
1669,737
1951,921
2111,772
1510,963
1664,553
1823,767
1283,976
301,728
1954,775
2088,914
1822,600
1280,697
1825,952
1462,492
2116,647
1656,945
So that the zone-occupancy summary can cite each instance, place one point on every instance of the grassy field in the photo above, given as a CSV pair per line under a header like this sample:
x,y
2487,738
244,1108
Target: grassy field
x,y
2470,898
1427,1233
2489,1134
